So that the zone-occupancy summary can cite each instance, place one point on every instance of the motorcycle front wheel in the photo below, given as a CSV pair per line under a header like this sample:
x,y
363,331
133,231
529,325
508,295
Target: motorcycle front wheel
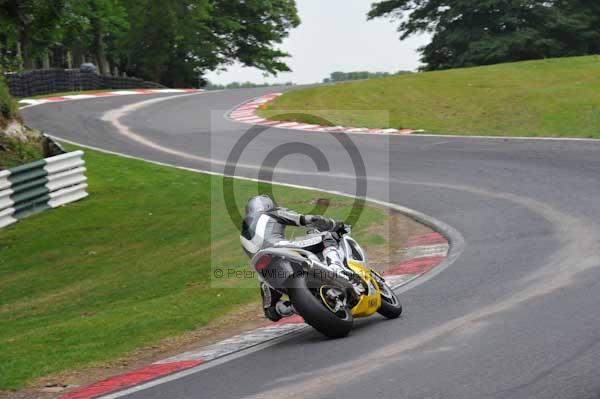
x,y
391,307
321,308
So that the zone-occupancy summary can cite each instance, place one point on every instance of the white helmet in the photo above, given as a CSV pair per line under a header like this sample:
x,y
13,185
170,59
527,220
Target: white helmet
x,y
258,204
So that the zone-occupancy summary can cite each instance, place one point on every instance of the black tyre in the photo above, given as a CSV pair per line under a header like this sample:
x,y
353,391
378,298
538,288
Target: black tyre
x,y
390,304
309,303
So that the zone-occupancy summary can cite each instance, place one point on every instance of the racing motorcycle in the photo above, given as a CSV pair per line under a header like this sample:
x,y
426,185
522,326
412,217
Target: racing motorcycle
x,y
327,301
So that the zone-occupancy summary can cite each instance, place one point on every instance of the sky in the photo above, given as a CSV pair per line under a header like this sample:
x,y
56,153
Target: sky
x,y
335,36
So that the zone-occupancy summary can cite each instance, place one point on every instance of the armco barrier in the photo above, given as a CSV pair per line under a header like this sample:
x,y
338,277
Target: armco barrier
x,y
40,185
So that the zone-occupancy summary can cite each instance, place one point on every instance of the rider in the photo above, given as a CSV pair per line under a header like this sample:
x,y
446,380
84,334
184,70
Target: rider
x,y
264,227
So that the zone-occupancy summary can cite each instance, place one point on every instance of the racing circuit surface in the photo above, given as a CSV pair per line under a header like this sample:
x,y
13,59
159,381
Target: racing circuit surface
x,y
516,316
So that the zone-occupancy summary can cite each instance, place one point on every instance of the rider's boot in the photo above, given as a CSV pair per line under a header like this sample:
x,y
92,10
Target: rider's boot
x,y
284,308
274,308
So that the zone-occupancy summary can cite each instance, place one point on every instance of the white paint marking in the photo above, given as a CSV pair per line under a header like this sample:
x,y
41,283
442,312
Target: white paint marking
x,y
286,125
167,90
305,127
79,96
124,92
424,251
398,280
236,343
243,115
31,101
253,119
357,130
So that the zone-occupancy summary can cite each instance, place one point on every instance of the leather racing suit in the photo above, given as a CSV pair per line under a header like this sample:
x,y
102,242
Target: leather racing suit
x,y
265,228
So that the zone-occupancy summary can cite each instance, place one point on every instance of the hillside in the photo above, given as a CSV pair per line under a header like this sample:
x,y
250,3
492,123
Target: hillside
x,y
553,98
18,145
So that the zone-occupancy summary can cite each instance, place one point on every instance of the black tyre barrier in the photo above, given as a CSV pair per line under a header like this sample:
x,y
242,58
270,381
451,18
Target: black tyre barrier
x,y
45,81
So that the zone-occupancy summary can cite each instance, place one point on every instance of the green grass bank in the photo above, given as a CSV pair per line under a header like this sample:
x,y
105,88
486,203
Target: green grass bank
x,y
548,98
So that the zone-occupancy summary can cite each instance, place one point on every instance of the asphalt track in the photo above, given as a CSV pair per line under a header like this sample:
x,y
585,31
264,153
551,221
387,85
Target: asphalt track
x,y
516,316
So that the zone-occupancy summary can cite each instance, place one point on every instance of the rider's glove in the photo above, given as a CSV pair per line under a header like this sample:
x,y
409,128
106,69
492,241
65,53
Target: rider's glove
x,y
339,227
320,223
338,230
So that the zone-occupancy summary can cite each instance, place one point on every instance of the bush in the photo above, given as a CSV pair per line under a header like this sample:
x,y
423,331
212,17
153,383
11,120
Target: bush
x,y
14,152
8,106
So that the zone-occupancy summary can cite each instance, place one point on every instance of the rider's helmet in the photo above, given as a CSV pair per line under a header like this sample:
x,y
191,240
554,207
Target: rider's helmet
x,y
258,204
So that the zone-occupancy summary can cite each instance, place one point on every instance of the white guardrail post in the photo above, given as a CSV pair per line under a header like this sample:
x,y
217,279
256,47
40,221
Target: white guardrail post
x,y
40,185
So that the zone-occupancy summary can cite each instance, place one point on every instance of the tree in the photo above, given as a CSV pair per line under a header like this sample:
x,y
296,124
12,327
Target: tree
x,y
578,26
252,28
176,41
360,75
91,27
151,38
481,32
35,23
10,55
169,41
108,18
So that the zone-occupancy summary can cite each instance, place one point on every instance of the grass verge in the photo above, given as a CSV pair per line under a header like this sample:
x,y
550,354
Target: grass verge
x,y
126,267
551,98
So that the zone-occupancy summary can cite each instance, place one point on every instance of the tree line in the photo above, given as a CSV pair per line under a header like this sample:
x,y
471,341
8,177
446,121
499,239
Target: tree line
x,y
359,75
481,32
242,85
173,42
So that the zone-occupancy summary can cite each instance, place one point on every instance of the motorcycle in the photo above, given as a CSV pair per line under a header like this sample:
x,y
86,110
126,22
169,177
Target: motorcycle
x,y
327,301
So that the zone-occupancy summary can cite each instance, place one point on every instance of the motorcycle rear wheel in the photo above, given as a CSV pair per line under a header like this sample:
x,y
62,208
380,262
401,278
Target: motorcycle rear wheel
x,y
319,315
